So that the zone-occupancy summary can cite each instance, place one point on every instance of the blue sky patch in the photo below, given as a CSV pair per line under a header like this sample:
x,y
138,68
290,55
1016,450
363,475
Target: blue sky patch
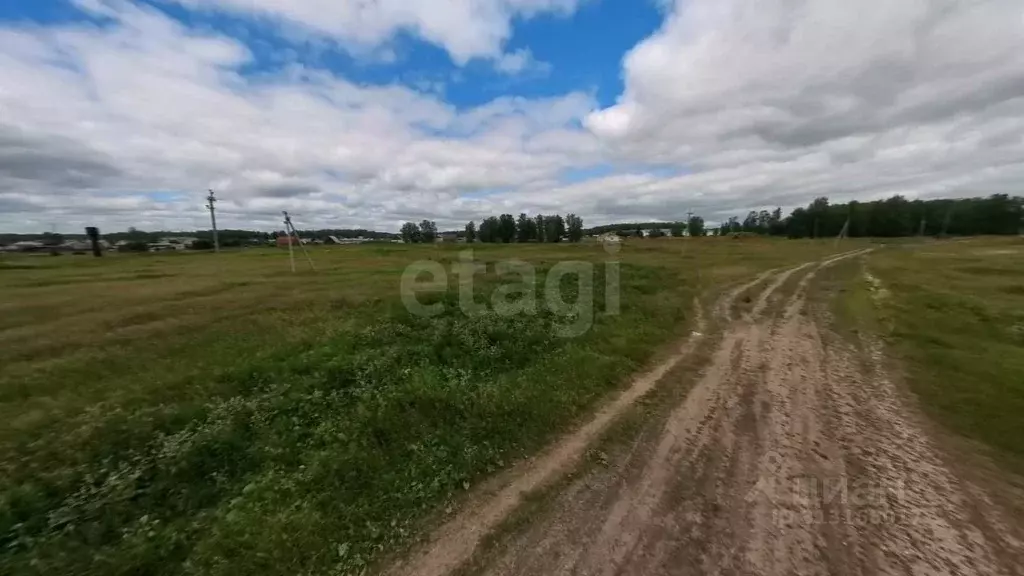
x,y
581,52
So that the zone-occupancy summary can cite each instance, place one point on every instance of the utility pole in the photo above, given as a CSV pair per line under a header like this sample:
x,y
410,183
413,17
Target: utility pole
x,y
948,219
293,233
844,233
213,219
288,231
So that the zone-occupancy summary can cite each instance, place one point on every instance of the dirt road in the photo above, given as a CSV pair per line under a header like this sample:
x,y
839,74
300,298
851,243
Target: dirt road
x,y
794,453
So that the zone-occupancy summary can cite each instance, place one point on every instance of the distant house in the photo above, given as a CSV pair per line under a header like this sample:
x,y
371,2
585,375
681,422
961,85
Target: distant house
x,y
285,241
26,246
172,243
655,232
447,237
183,241
76,246
357,240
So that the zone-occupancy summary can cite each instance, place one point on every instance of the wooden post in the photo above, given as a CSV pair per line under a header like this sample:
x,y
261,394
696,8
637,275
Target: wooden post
x,y
288,231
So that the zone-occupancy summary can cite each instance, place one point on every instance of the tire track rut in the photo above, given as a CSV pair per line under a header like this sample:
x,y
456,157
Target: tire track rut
x,y
792,454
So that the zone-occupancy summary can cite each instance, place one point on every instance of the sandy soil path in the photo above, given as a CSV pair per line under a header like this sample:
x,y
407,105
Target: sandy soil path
x,y
793,454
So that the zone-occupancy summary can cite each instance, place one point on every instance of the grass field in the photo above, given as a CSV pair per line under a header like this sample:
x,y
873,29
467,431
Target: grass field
x,y
953,316
216,414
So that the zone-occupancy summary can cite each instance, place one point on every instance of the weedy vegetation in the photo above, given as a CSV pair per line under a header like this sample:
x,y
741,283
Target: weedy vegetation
x,y
216,414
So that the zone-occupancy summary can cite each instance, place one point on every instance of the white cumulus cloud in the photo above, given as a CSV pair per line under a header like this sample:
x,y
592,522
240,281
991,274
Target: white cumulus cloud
x,y
145,109
768,102
464,28
731,105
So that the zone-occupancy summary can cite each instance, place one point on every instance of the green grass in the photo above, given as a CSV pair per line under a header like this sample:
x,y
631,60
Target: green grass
x,y
196,413
954,315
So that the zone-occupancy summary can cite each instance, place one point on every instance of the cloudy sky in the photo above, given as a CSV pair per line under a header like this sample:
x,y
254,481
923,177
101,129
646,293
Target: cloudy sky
x,y
368,113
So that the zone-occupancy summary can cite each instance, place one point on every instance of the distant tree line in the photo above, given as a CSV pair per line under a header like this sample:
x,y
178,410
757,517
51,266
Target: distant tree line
x,y
629,228
893,217
506,229
896,216
425,231
348,233
762,222
228,238
694,227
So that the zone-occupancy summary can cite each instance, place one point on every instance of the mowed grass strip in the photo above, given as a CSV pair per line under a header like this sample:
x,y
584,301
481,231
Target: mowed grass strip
x,y
202,414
